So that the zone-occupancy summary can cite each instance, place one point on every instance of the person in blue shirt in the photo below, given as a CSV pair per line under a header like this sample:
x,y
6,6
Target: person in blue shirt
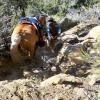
x,y
53,31
53,28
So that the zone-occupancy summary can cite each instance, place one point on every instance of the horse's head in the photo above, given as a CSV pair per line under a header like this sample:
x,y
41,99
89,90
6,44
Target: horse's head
x,y
42,19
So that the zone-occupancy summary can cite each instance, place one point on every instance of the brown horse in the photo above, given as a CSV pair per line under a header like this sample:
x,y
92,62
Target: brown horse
x,y
25,37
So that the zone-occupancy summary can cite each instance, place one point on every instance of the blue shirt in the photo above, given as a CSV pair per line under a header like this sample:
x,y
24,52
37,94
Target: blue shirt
x,y
50,28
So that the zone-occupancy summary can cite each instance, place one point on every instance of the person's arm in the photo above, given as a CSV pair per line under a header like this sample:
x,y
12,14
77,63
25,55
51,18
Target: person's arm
x,y
49,32
58,29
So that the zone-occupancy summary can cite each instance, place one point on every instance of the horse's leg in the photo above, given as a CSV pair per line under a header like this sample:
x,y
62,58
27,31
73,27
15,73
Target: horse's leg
x,y
15,54
49,46
52,43
32,52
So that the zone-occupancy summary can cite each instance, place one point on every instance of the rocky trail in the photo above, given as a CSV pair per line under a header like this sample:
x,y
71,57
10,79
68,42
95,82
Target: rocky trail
x,y
65,75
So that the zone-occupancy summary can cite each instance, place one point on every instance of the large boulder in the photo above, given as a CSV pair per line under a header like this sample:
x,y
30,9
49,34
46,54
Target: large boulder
x,y
67,24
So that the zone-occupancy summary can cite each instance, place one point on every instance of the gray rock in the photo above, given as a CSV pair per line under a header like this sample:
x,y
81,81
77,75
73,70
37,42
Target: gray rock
x,y
67,23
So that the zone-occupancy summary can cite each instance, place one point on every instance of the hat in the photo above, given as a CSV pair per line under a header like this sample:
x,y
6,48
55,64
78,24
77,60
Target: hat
x,y
50,18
